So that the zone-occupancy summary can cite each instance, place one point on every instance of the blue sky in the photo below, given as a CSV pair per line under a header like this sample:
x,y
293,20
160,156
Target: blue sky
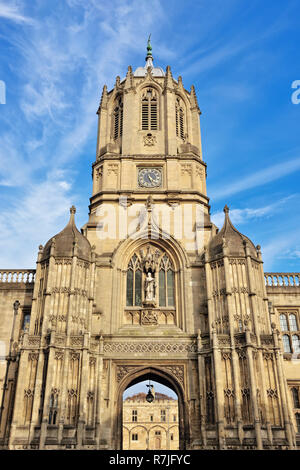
x,y
242,58
142,387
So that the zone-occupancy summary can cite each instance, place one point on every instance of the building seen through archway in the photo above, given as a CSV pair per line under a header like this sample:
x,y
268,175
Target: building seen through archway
x,y
150,425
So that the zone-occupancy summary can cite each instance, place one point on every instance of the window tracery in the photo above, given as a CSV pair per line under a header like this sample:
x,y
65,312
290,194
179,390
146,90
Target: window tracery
x,y
149,109
150,279
289,325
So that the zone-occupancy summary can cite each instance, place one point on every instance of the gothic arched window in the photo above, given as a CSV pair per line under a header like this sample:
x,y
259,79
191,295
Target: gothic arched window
x,y
295,394
118,120
166,281
297,416
150,278
134,283
283,322
293,322
53,409
180,119
296,343
149,109
286,344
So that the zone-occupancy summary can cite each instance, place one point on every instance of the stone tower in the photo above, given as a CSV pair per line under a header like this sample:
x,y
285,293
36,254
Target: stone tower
x,y
148,289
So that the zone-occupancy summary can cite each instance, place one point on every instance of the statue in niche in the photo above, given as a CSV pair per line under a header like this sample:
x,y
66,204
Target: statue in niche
x,y
149,287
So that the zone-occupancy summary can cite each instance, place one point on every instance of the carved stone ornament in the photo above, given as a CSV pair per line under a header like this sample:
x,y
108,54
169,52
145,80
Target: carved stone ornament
x,y
272,393
149,347
229,392
149,140
92,361
59,355
177,371
149,317
122,371
75,356
33,356
34,340
76,340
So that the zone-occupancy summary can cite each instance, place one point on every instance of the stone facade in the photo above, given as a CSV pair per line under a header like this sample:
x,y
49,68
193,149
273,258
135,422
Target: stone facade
x,y
149,426
149,288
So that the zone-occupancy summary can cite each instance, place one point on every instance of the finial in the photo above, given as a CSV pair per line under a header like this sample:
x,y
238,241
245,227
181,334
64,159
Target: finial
x,y
226,209
73,210
103,101
149,47
149,57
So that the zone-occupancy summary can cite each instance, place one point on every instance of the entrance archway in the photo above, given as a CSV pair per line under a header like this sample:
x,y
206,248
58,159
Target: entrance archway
x,y
155,374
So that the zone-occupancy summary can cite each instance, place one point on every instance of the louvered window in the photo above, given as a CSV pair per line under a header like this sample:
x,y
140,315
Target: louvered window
x,y
118,120
149,110
180,119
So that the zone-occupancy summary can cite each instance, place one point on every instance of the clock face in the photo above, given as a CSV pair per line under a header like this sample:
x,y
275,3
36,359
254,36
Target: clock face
x,y
149,177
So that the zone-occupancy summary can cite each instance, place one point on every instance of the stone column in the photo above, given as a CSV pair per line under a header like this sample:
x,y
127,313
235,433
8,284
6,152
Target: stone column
x,y
201,377
252,293
37,399
99,394
211,316
170,116
63,397
282,386
265,298
234,358
19,395
47,392
83,393
36,288
219,390
253,392
264,395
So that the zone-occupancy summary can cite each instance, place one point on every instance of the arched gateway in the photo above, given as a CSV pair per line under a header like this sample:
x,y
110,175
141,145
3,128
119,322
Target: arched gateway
x,y
148,287
154,373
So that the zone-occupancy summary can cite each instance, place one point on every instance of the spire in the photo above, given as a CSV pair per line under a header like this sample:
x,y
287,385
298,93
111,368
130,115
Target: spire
x,y
63,244
230,239
149,57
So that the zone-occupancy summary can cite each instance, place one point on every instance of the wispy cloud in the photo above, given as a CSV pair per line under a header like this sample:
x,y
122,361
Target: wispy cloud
x,y
281,247
62,77
13,12
241,216
27,223
258,178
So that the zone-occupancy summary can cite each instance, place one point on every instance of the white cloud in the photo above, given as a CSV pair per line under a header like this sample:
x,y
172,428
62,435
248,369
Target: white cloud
x,y
61,80
240,216
259,178
33,219
12,12
280,248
